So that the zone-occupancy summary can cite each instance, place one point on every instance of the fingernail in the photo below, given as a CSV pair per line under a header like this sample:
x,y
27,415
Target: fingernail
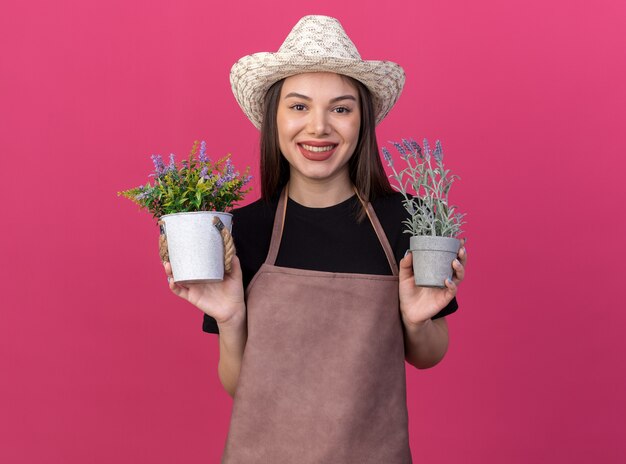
x,y
406,252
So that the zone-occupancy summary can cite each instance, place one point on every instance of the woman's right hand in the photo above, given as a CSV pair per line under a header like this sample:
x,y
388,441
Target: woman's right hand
x,y
220,300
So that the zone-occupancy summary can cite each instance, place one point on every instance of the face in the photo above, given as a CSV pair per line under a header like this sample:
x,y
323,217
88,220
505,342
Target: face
x,y
318,122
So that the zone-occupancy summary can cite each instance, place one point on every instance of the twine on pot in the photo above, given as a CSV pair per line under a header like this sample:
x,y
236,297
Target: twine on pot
x,y
227,238
165,257
229,244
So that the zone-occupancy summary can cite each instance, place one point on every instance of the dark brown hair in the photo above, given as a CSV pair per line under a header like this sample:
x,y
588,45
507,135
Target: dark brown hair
x,y
365,167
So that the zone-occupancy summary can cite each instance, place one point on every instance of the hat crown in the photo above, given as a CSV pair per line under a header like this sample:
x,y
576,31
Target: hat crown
x,y
315,44
320,36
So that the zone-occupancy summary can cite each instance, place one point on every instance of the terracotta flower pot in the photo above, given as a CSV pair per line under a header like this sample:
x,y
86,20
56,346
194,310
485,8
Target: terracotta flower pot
x,y
195,246
432,259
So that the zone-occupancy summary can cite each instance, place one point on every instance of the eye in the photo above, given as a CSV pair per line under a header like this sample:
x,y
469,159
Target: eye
x,y
298,107
342,110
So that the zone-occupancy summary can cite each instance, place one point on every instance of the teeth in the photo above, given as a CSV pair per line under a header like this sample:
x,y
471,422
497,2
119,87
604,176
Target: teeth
x,y
318,149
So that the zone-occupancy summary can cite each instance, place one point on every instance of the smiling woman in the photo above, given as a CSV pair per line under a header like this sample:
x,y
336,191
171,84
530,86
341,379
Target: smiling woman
x,y
318,122
348,99
320,317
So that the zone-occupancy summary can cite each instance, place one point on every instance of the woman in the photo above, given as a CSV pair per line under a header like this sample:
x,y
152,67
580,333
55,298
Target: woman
x,y
326,318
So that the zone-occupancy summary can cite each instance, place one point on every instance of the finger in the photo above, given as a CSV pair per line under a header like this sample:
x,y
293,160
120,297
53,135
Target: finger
x,y
235,270
167,267
406,265
459,271
451,287
177,289
407,259
462,255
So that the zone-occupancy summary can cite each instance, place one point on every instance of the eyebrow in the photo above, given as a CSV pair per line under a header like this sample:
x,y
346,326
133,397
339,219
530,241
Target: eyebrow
x,y
333,100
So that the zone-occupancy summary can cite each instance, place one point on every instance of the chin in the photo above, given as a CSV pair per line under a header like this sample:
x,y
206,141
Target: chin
x,y
319,175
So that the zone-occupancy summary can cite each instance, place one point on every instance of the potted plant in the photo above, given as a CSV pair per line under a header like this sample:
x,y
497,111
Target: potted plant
x,y
192,205
434,224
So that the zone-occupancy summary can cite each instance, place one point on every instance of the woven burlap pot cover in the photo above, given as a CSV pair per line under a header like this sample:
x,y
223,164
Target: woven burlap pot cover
x,y
195,246
432,259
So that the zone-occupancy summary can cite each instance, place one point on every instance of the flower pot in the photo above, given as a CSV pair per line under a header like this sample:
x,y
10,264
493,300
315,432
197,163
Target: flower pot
x,y
195,246
432,259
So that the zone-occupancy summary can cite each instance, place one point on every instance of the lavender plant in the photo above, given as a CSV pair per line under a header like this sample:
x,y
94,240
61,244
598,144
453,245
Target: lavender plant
x,y
430,211
200,184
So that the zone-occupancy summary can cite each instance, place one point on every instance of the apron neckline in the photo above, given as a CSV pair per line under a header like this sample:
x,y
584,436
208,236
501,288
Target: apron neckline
x,y
279,222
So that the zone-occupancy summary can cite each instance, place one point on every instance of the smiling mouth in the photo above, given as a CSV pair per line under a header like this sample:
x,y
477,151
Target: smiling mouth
x,y
317,149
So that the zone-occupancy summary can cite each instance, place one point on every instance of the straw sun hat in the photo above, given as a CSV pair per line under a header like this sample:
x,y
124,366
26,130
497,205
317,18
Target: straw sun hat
x,y
315,44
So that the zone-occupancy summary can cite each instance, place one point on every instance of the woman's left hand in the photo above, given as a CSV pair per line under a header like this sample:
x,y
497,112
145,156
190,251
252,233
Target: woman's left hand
x,y
418,304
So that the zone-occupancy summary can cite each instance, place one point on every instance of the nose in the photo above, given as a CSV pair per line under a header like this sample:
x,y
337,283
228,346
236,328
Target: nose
x,y
318,123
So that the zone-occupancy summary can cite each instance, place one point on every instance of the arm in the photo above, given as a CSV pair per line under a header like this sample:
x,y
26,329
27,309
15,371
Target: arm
x,y
223,301
426,343
232,338
425,339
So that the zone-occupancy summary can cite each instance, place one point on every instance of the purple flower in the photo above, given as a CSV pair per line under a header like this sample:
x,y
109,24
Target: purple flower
x,y
230,169
415,147
228,176
438,153
407,145
426,148
172,165
204,172
400,149
159,166
387,156
203,157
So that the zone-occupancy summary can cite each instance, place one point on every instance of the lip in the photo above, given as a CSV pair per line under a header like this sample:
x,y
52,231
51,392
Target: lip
x,y
315,156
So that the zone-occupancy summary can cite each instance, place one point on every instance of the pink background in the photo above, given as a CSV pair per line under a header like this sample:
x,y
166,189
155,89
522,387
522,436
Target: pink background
x,y
101,363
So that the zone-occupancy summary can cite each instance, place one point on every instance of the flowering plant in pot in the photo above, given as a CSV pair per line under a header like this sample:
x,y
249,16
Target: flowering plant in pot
x,y
192,204
434,223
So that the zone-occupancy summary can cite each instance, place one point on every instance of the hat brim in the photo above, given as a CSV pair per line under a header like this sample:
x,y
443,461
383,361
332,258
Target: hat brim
x,y
253,75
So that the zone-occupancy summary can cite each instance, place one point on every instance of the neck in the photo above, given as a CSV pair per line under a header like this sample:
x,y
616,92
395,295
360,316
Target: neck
x,y
315,193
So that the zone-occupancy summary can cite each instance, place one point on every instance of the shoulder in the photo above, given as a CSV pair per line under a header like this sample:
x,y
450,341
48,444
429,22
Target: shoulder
x,y
390,208
252,232
259,210
391,214
255,217
252,225
392,199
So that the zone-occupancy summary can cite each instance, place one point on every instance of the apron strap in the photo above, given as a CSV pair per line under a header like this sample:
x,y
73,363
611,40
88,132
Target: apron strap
x,y
380,233
279,223
277,231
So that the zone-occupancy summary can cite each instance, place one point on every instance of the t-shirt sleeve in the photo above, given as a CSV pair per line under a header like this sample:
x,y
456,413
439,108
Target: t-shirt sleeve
x,y
449,309
209,325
